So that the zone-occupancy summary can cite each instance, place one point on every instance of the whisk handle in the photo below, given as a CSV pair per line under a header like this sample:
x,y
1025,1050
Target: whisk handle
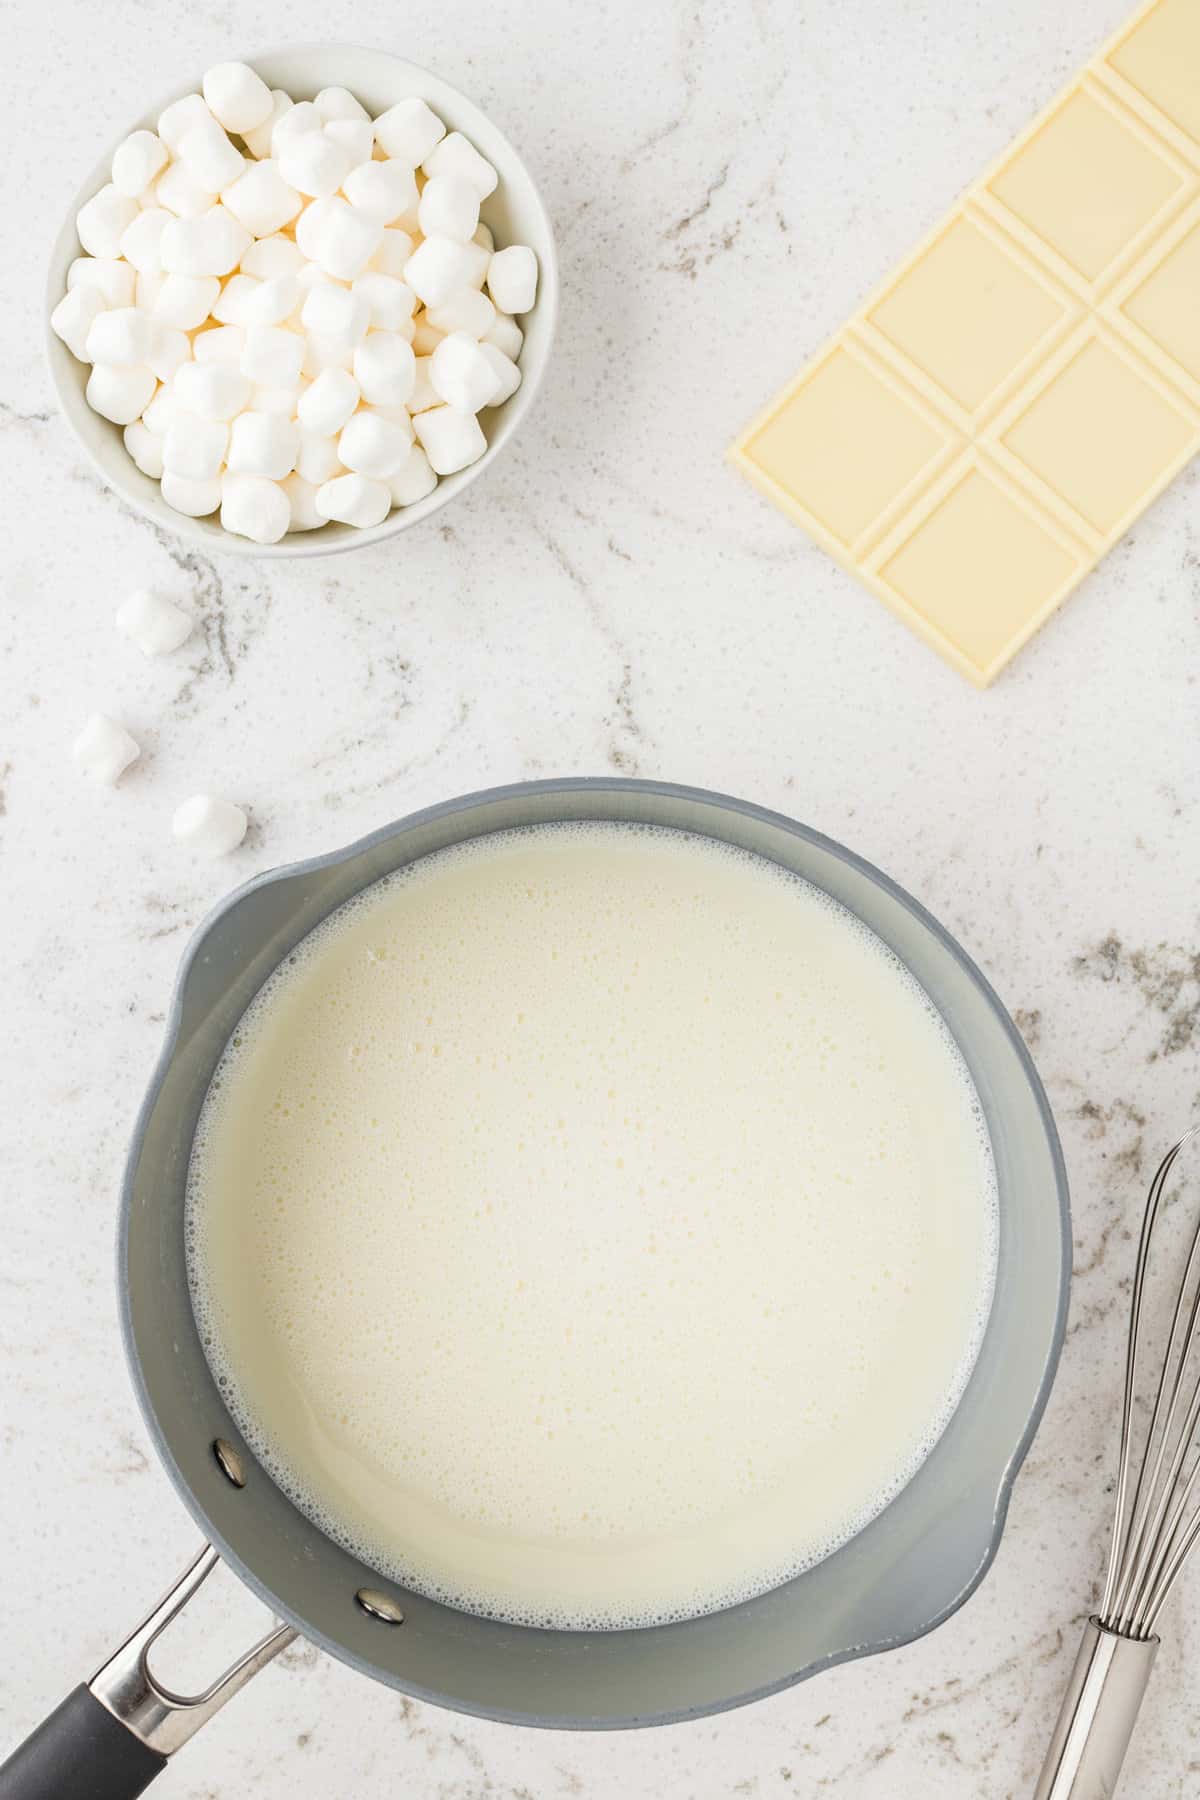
x,y
1097,1716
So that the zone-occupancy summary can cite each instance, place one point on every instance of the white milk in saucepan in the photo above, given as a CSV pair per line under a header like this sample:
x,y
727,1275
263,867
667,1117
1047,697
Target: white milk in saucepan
x,y
591,1226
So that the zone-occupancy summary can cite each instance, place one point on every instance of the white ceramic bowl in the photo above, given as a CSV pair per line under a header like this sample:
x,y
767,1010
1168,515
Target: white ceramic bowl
x,y
514,212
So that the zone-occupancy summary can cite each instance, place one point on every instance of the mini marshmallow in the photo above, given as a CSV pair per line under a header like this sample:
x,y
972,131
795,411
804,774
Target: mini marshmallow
x,y
449,439
176,190
461,373
375,446
336,314
72,318
236,96
273,300
424,394
209,157
308,160
384,368
508,376
320,357
282,400
253,506
311,274
195,498
318,460
506,334
104,750
273,356
213,244
232,306
211,390
141,238
512,278
103,221
154,623
341,239
224,344
425,337
482,235
355,136
384,190
146,289
209,825
113,279
393,253
137,162
339,103
272,256
293,121
468,311
122,336
455,156
262,199
194,448
145,448
264,444
413,479
408,131
354,500
449,207
389,302
180,118
258,139
328,402
170,350
440,267
157,416
302,498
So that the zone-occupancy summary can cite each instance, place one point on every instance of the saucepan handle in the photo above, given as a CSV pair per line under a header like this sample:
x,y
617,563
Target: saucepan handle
x,y
110,1738
80,1749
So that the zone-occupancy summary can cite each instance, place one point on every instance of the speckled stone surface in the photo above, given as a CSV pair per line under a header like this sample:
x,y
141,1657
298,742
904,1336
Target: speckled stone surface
x,y
727,181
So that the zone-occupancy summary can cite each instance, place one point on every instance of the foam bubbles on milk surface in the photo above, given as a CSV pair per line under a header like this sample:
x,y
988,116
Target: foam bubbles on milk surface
x,y
593,1225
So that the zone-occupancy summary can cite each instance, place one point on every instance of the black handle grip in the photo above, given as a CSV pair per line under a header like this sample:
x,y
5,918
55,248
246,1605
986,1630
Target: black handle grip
x,y
80,1752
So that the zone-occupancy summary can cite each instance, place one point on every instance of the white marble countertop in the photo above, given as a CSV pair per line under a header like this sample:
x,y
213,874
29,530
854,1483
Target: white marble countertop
x,y
727,180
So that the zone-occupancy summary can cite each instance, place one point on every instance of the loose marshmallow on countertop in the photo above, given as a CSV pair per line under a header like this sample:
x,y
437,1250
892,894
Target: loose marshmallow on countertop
x,y
104,750
156,625
209,825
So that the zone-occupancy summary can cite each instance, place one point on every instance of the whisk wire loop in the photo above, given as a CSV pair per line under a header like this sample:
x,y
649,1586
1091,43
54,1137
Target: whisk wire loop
x,y
1150,1538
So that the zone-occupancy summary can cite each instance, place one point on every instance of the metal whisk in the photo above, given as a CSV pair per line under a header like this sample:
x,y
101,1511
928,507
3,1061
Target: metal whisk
x,y
1156,1527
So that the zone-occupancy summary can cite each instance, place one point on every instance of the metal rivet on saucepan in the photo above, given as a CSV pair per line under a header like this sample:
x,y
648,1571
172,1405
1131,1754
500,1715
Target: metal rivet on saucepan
x,y
380,1606
229,1462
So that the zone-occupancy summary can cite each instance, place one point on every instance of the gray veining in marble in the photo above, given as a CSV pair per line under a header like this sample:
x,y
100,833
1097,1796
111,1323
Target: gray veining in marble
x,y
728,178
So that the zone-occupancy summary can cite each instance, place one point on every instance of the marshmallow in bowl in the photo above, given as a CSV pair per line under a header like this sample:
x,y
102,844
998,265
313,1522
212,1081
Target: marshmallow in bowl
x,y
512,278
408,131
145,448
451,440
120,393
278,296
355,500
137,161
254,506
74,317
237,98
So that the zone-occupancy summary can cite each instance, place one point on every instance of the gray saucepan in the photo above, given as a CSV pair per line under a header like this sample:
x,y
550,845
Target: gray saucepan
x,y
905,1572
